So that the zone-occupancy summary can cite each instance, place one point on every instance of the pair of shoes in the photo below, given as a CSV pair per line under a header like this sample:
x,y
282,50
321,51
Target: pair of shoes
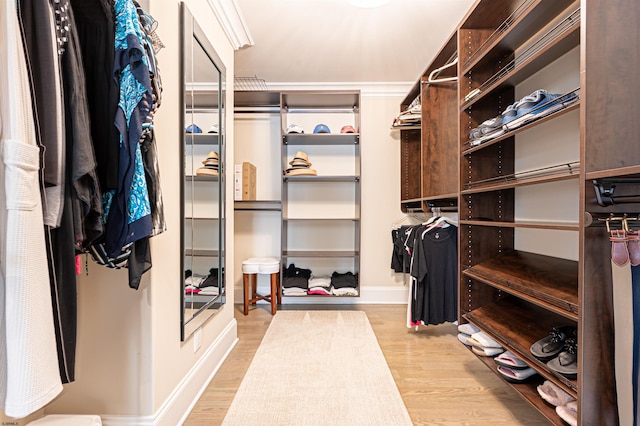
x,y
553,394
550,346
625,247
508,359
489,129
566,363
483,345
516,375
569,413
534,106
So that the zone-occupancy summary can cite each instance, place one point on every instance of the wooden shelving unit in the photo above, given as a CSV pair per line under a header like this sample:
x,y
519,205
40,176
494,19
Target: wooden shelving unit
x,y
514,295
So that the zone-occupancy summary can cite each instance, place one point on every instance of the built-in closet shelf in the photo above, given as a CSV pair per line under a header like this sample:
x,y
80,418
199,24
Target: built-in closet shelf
x,y
510,182
506,135
619,172
202,252
257,205
558,226
320,253
315,101
528,391
201,139
207,178
321,139
516,325
520,26
412,127
520,72
321,178
549,282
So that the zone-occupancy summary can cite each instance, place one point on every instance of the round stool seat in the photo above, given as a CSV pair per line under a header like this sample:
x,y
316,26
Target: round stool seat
x,y
261,265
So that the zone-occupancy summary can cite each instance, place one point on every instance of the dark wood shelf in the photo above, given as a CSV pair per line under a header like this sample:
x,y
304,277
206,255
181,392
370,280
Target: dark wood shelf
x,y
549,282
558,226
298,139
527,391
506,135
516,325
531,19
617,172
319,253
561,45
514,183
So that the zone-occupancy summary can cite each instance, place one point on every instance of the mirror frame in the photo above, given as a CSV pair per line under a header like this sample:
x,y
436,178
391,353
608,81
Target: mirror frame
x,y
191,35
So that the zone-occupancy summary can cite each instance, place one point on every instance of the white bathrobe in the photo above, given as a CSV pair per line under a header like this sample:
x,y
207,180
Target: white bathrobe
x,y
29,375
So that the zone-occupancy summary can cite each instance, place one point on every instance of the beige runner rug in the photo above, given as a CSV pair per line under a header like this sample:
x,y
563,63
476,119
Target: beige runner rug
x,y
318,368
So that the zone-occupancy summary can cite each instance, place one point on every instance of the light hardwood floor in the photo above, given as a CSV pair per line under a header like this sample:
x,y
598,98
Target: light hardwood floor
x,y
441,382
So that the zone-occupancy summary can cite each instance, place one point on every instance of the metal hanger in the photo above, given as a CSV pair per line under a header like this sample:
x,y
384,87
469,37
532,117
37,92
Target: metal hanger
x,y
432,76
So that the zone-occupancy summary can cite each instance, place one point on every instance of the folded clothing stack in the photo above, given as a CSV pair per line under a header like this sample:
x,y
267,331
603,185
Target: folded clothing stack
x,y
206,285
344,284
295,281
320,285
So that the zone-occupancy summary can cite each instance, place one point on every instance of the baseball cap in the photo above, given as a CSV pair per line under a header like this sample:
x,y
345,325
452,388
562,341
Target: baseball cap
x,y
193,128
321,128
347,129
294,128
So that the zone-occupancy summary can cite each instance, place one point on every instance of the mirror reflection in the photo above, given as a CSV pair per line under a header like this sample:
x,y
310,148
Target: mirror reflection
x,y
202,282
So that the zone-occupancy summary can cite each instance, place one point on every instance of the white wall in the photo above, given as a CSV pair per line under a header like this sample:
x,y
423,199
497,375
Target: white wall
x,y
132,367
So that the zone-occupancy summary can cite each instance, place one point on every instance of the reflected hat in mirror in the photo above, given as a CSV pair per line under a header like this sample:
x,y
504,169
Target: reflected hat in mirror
x,y
321,128
213,129
347,129
294,128
193,128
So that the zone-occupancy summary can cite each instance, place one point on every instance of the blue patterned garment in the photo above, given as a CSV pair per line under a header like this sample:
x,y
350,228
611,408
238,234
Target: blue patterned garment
x,y
127,209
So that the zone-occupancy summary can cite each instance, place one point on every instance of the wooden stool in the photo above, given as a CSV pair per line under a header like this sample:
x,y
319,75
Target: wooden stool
x,y
250,270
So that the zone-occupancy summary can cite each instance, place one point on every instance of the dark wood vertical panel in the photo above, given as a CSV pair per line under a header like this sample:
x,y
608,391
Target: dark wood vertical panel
x,y
610,93
440,139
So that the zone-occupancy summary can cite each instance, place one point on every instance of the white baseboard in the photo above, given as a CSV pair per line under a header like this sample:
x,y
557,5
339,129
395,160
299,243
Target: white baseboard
x,y
178,405
383,295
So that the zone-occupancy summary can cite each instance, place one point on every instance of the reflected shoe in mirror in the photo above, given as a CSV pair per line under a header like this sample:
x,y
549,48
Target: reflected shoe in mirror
x,y
569,413
508,359
553,394
550,346
516,375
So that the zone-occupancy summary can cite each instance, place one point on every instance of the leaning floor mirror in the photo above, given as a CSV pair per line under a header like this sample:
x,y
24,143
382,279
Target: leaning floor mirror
x,y
202,283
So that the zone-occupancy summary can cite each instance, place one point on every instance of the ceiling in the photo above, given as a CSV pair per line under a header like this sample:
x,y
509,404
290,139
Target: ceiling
x,y
333,41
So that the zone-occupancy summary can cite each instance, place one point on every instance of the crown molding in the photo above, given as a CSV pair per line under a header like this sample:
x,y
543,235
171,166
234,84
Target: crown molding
x,y
232,21
369,89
